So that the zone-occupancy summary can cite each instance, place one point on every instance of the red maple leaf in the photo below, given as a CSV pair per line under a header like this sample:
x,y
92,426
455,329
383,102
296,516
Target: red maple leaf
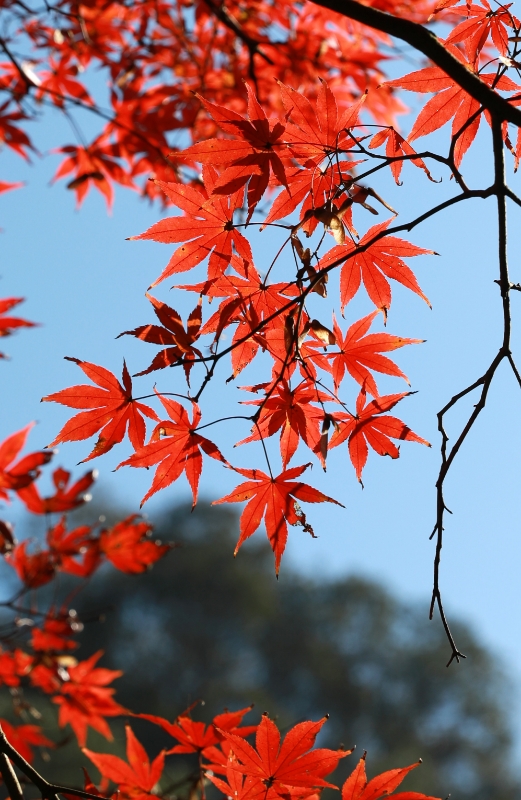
x,y
360,353
24,737
85,699
17,476
236,785
172,333
10,324
14,666
273,499
33,569
128,546
207,228
65,498
13,136
59,82
374,265
357,787
242,787
287,345
480,23
55,634
274,766
196,737
291,412
111,406
396,149
313,187
47,675
75,552
249,301
369,428
449,102
251,154
135,779
176,447
245,293
316,133
93,166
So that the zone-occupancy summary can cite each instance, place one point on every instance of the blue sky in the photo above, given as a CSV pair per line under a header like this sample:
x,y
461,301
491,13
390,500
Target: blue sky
x,y
85,284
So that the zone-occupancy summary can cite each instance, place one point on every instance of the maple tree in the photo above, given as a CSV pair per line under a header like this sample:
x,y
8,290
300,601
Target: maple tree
x,y
294,153
242,116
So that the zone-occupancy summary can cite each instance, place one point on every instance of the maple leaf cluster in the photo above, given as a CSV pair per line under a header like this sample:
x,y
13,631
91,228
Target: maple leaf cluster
x,y
154,57
38,651
263,152
37,646
483,39
308,154
274,768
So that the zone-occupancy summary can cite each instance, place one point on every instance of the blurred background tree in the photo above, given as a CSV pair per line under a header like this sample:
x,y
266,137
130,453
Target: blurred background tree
x,y
203,626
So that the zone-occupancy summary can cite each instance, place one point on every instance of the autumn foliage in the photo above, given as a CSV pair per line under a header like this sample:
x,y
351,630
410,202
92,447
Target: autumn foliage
x,y
43,657
257,116
265,316
298,161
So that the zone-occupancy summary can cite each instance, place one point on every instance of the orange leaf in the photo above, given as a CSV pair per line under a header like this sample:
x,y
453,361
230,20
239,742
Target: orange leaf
x,y
357,787
128,546
139,776
176,448
274,766
274,500
111,410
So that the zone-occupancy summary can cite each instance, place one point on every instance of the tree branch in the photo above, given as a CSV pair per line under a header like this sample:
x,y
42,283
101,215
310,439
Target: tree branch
x,y
49,791
501,192
426,42
222,14
11,781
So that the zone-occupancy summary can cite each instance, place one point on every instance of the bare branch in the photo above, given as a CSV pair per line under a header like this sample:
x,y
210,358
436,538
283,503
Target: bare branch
x,y
11,781
499,189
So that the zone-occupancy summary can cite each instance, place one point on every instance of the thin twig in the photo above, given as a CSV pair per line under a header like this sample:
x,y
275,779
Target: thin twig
x,y
500,190
11,781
